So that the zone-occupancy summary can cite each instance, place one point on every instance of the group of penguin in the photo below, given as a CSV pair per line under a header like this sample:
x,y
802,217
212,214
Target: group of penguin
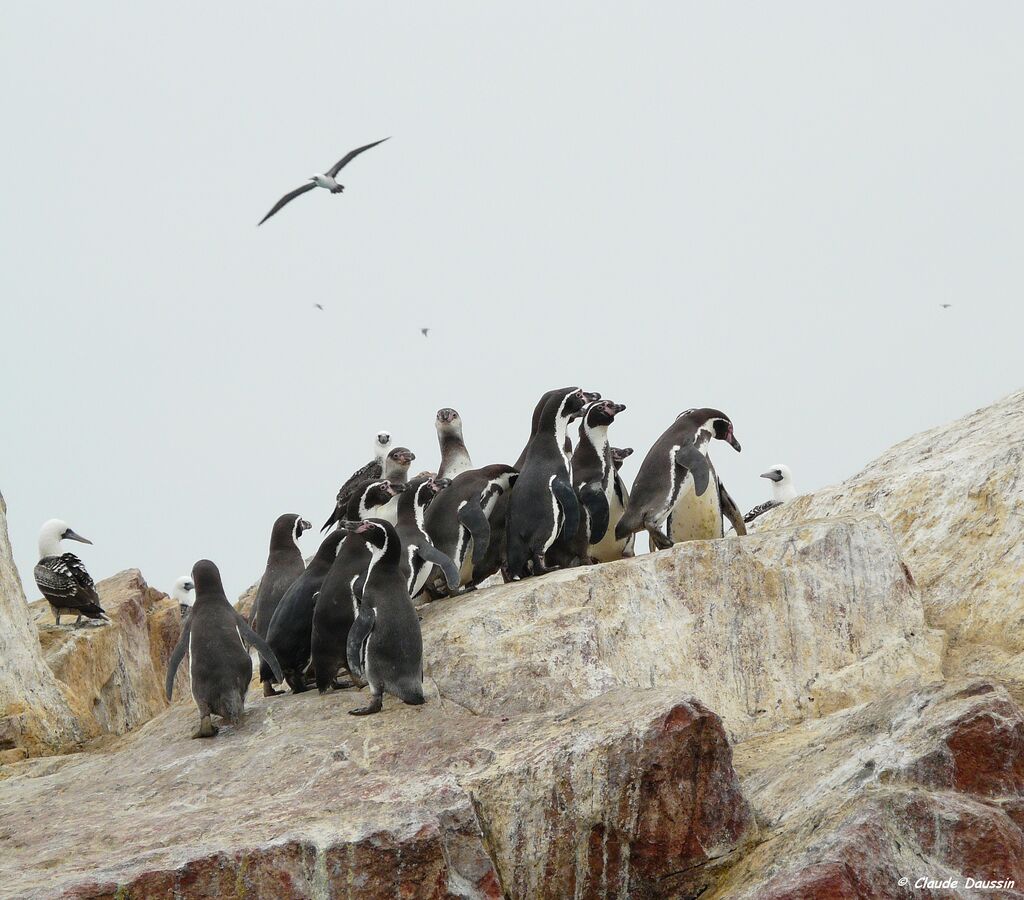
x,y
392,539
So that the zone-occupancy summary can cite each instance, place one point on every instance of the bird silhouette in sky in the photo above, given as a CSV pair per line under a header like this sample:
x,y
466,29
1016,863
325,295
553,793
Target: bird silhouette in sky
x,y
319,306
424,331
945,305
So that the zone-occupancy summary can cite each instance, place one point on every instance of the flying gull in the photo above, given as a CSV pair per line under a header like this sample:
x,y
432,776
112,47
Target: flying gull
x,y
324,181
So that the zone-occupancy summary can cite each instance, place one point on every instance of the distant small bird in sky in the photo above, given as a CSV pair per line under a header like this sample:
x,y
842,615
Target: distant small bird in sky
x,y
945,305
325,181
319,306
424,331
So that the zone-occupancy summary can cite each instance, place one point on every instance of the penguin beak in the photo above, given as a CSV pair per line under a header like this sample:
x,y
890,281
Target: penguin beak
x,y
735,444
772,475
591,396
69,535
304,526
617,408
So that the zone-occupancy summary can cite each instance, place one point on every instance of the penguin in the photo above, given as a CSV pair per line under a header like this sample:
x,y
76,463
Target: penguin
x,y
677,458
455,457
696,518
62,577
783,491
378,499
396,465
372,471
617,549
535,425
284,565
593,477
457,520
215,637
184,591
543,504
421,555
290,629
385,646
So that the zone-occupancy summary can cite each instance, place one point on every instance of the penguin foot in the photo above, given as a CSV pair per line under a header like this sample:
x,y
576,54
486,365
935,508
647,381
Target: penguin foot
x,y
469,587
660,540
374,706
206,728
270,691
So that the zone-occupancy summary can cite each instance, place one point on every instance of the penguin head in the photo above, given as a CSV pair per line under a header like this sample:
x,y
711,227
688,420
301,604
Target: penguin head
x,y
380,536
184,591
723,431
401,457
448,419
52,533
287,529
601,412
575,401
430,488
381,493
206,579
619,455
300,526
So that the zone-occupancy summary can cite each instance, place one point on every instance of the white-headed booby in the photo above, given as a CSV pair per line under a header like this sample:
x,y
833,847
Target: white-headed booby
x,y
782,491
63,578
184,591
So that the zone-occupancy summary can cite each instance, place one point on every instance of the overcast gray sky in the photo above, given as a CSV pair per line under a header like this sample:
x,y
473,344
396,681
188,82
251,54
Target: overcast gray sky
x,y
753,206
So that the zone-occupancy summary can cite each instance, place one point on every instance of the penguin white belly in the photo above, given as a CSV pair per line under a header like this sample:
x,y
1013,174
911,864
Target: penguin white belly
x,y
696,518
466,570
608,549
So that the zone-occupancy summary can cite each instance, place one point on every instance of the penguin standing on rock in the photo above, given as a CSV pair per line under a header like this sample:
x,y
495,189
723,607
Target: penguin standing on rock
x,y
290,630
372,471
457,521
184,591
385,645
677,461
62,577
284,565
454,456
420,554
215,637
543,503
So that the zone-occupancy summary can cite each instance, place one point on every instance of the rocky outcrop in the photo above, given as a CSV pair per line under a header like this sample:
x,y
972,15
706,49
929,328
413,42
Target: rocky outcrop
x,y
922,785
765,630
954,497
113,674
630,795
34,714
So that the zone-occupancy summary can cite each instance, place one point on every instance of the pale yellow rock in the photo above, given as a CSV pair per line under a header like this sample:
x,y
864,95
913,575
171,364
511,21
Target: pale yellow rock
x,y
114,672
954,496
35,717
765,630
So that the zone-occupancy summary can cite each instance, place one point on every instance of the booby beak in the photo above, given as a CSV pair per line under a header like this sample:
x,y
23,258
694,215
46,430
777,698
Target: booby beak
x,y
772,475
69,535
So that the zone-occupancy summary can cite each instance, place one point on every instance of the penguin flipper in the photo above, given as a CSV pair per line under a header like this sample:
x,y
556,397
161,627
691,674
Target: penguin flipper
x,y
358,638
472,516
430,554
731,510
594,501
696,463
566,497
177,655
261,646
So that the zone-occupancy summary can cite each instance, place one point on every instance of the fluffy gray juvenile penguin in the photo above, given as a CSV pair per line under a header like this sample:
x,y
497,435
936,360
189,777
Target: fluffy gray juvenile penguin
x,y
385,646
214,636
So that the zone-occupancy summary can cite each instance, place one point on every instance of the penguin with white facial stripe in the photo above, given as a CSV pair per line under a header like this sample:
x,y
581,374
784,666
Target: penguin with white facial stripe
x,y
284,565
455,457
184,591
593,477
62,577
783,491
378,499
385,645
543,503
457,521
215,637
677,460
359,479
290,631
420,554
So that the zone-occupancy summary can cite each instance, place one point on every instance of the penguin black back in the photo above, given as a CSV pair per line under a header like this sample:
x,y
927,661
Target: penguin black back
x,y
284,565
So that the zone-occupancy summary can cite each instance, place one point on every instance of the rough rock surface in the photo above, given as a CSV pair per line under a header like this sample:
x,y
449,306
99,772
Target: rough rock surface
x,y
34,714
631,795
114,673
765,630
926,784
954,496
